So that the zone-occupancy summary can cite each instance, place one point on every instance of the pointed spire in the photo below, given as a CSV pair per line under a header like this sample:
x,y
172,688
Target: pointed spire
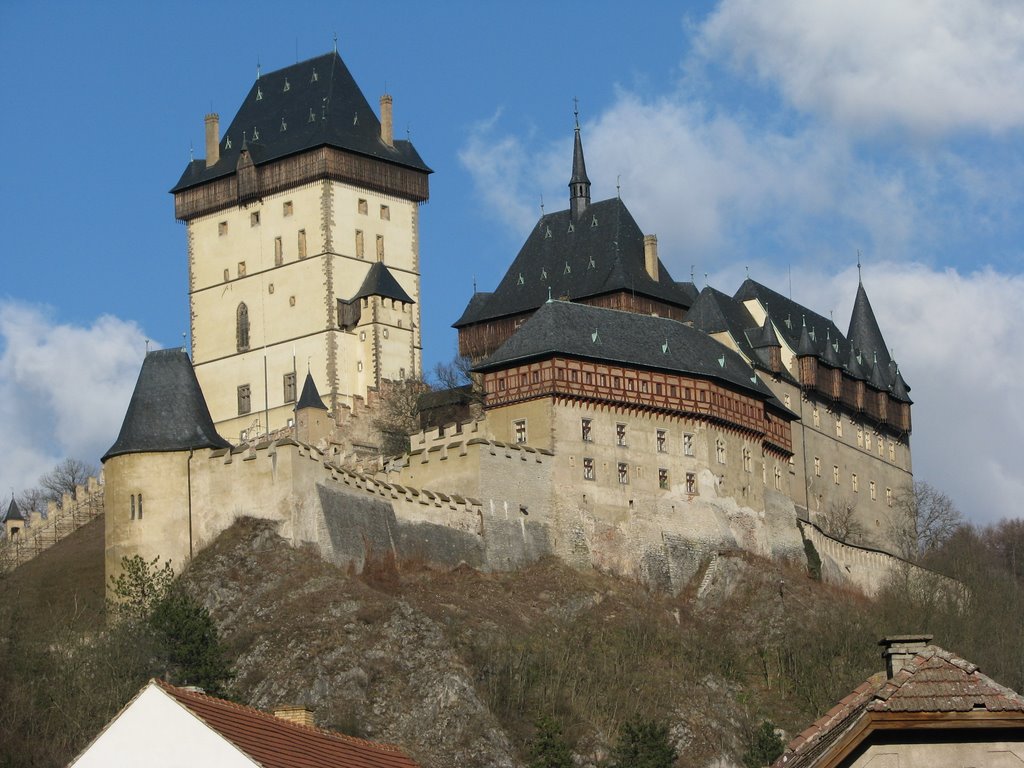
x,y
805,346
310,397
900,390
866,335
768,336
579,184
13,512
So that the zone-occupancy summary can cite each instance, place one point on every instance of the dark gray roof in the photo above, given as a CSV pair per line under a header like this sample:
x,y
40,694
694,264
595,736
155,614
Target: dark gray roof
x,y
867,336
167,411
13,513
628,338
579,165
600,252
310,397
309,104
380,282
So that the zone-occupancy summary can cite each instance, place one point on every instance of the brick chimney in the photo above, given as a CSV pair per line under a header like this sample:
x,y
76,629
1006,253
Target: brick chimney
x,y
387,134
296,714
898,650
212,139
651,256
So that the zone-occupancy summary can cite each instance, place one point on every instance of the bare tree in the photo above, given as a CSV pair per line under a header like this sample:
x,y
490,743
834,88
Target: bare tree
x,y
64,478
840,522
926,519
398,413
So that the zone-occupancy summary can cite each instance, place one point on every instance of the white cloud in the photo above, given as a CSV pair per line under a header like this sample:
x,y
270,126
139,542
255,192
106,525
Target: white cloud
x,y
929,66
64,389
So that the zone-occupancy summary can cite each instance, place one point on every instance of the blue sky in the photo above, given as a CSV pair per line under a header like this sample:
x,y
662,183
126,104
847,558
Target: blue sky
x,y
777,138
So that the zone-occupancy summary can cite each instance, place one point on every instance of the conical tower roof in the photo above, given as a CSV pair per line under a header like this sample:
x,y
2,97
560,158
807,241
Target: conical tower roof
x,y
167,411
768,336
13,512
805,346
310,397
865,334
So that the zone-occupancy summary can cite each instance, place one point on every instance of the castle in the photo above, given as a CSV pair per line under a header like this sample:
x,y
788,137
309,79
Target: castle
x,y
630,422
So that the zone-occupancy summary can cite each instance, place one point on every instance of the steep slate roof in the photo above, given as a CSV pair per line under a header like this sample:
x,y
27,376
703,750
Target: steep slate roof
x,y
933,682
319,103
310,397
380,282
865,333
600,252
167,411
597,333
275,743
13,513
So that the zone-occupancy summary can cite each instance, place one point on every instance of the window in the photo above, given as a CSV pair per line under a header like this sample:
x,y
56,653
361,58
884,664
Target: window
x,y
241,269
380,247
623,473
835,474
227,275
222,228
519,427
140,507
816,416
688,444
873,490
385,213
778,478
860,437
362,206
854,483
888,497
691,483
720,451
288,209
244,404
588,469
254,219
278,252
360,248
817,467
663,478
788,401
289,387
747,460
302,243
133,506
660,439
892,450
585,429
620,434
839,426
881,447
242,328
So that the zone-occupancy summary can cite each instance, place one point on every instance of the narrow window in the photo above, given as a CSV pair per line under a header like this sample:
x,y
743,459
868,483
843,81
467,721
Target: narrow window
x,y
881,447
288,209
892,451
302,243
747,460
860,438
661,440
133,506
380,247
620,434
254,219
888,497
663,478
816,416
688,444
278,252
242,328
289,387
817,467
873,490
222,228
778,479
854,483
588,469
839,426
360,253
787,400
244,405
585,428
720,450
520,430
691,483
227,274
835,474
241,269
623,473
140,507
867,441
362,206
385,213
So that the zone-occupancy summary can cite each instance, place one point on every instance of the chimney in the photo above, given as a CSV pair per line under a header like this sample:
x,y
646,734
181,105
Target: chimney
x,y
296,714
386,131
898,650
651,256
212,139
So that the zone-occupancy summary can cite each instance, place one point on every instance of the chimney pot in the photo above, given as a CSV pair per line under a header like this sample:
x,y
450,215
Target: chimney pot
x,y
296,714
386,121
651,256
212,139
898,650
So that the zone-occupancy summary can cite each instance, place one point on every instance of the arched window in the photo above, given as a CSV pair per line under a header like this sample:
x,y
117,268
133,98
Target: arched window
x,y
242,328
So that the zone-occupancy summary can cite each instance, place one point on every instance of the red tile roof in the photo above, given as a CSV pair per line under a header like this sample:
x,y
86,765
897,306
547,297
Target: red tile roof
x,y
275,743
933,681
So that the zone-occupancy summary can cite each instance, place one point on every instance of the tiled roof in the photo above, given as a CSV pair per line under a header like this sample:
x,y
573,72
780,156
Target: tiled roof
x,y
167,411
310,104
275,743
310,397
933,682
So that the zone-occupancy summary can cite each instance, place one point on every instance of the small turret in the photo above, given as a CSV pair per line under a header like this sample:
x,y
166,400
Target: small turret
x,y
312,421
14,521
579,184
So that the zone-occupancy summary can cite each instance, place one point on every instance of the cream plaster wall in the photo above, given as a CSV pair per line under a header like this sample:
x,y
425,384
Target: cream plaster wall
x,y
985,754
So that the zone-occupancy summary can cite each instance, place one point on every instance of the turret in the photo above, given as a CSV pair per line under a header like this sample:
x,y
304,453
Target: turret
x,y
312,421
579,184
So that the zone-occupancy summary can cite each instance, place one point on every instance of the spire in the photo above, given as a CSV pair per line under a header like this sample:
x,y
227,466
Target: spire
x,y
804,347
579,184
866,335
13,512
310,397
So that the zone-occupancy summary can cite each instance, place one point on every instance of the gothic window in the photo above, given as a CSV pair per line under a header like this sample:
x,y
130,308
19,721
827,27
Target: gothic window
x,y
302,243
244,403
663,478
585,428
661,440
620,434
688,444
588,469
289,387
623,473
520,430
242,328
691,483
